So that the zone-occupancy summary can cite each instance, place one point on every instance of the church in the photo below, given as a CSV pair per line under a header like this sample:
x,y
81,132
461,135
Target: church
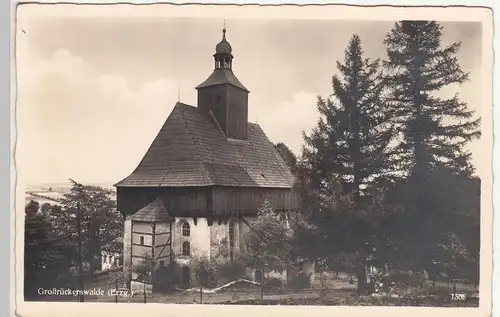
x,y
203,178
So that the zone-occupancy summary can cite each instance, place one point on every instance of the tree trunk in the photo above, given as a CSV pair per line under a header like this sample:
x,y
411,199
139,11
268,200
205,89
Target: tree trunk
x,y
80,260
116,289
361,276
454,286
262,286
144,289
362,284
201,294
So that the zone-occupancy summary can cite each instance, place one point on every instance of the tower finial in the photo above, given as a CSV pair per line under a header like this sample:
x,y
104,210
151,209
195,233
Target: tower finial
x,y
224,31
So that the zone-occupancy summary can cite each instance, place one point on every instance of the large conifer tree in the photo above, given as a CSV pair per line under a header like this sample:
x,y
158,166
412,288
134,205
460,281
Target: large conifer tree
x,y
345,155
351,141
433,132
433,129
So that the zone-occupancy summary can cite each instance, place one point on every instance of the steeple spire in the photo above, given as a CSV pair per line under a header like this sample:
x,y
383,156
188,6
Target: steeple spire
x,y
223,95
224,31
223,50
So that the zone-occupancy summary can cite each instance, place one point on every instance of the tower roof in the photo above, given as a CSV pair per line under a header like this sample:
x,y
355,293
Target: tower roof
x,y
223,47
222,76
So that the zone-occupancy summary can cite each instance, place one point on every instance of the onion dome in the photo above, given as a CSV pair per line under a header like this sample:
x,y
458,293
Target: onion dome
x,y
223,47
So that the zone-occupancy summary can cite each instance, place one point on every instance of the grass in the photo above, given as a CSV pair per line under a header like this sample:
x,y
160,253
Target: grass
x,y
341,293
414,301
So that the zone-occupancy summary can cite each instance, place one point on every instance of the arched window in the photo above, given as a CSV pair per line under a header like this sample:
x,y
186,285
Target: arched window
x,y
186,249
231,240
186,232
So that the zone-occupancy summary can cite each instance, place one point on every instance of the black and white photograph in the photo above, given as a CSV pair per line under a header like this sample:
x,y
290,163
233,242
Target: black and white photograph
x,y
209,155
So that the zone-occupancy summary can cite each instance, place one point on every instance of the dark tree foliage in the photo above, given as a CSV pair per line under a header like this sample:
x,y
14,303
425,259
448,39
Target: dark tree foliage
x,y
414,239
287,155
351,141
433,129
346,155
439,198
102,224
47,257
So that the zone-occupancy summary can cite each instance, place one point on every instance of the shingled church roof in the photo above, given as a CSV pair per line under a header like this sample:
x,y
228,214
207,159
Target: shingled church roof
x,y
191,150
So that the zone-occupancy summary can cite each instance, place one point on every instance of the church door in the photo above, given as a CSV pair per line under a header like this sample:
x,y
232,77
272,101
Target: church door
x,y
186,276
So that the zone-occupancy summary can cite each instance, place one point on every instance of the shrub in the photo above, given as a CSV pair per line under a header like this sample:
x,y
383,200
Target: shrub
x,y
205,271
230,271
276,282
166,278
301,281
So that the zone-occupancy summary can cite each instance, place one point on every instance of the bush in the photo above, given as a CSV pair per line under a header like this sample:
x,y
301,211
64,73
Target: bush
x,y
205,271
231,271
300,281
274,282
166,278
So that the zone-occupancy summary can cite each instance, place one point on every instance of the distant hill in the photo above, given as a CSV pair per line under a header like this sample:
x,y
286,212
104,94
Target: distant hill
x,y
62,186
52,192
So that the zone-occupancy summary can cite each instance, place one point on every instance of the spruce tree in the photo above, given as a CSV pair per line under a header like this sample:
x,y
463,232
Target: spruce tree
x,y
287,155
351,141
434,129
433,132
347,153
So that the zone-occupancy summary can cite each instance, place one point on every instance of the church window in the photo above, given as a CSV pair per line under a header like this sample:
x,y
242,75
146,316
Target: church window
x,y
162,263
186,230
218,98
186,249
141,240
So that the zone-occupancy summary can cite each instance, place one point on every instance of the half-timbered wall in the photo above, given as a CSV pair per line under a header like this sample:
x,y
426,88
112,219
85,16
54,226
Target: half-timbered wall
x,y
147,239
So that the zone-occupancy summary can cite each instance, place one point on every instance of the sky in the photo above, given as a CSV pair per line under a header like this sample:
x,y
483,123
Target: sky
x,y
93,92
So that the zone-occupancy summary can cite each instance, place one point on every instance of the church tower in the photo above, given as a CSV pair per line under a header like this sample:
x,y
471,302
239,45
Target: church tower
x,y
223,96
